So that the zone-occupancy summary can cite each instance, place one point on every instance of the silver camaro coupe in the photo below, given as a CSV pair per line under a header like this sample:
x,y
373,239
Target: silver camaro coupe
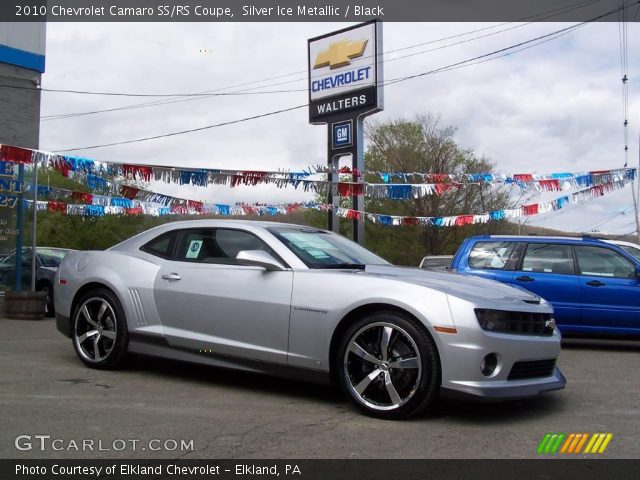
x,y
298,301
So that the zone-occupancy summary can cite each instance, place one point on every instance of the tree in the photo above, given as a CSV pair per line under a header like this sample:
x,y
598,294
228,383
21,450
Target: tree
x,y
421,145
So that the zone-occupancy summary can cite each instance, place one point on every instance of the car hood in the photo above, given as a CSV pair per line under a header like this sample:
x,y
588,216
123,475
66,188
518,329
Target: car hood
x,y
464,286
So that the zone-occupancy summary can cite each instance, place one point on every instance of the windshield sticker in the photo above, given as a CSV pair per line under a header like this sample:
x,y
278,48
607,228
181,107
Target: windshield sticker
x,y
317,253
194,249
308,242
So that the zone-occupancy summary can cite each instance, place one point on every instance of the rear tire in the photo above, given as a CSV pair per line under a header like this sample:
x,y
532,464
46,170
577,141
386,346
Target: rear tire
x,y
388,365
48,289
99,330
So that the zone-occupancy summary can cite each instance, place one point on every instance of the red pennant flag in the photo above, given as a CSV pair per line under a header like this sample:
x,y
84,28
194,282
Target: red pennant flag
x,y
15,154
523,177
530,209
464,220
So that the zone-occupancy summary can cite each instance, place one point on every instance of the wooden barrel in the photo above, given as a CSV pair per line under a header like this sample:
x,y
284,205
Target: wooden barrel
x,y
25,305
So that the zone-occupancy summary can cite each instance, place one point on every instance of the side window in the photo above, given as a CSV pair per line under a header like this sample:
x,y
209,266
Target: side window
x,y
548,258
233,241
161,246
491,255
209,245
602,262
631,250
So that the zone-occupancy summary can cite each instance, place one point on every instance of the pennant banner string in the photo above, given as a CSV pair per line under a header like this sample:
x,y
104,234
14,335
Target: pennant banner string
x,y
139,208
432,184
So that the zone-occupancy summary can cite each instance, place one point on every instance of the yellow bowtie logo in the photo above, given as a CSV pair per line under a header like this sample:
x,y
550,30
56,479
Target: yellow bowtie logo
x,y
340,54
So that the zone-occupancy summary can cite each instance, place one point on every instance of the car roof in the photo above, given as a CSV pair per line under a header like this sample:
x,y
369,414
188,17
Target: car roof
x,y
214,222
204,223
623,242
567,238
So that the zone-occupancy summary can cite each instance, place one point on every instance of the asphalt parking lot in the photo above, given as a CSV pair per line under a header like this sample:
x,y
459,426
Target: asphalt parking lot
x,y
45,390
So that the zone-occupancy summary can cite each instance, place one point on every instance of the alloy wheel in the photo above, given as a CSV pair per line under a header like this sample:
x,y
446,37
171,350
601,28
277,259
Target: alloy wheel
x,y
382,366
95,329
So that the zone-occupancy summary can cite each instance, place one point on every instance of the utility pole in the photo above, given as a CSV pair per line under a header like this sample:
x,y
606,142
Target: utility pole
x,y
35,222
635,210
636,194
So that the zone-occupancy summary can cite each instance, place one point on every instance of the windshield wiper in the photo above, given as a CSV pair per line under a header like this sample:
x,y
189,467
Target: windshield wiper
x,y
357,266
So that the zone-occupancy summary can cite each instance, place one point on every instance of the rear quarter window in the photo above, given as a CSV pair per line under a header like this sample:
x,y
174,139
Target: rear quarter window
x,y
161,246
492,255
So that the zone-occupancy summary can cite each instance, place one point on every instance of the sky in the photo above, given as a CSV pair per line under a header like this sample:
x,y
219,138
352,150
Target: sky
x,y
555,107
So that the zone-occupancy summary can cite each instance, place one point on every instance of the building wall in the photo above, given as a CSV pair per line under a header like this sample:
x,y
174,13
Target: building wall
x,y
22,62
19,107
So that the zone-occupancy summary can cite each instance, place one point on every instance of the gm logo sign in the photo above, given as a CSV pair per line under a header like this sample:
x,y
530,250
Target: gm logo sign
x,y
342,134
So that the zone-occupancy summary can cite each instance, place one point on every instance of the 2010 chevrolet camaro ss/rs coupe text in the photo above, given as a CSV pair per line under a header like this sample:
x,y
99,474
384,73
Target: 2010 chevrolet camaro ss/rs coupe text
x,y
299,301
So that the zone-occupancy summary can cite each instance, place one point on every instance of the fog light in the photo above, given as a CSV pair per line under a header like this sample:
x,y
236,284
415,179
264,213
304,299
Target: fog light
x,y
489,364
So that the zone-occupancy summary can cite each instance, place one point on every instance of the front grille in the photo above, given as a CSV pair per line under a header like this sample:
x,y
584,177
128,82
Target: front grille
x,y
523,323
532,369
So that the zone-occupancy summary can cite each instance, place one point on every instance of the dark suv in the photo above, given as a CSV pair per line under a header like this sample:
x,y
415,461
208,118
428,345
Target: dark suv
x,y
594,286
47,261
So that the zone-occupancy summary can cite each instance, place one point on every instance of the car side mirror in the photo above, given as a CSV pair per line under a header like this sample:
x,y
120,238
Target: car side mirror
x,y
259,258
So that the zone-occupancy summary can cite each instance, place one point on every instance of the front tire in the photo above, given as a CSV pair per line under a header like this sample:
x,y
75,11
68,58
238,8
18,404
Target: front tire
x,y
99,330
388,365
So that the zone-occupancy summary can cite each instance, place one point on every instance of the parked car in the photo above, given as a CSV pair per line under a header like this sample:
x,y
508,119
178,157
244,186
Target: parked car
x,y
307,303
593,285
632,248
436,263
47,261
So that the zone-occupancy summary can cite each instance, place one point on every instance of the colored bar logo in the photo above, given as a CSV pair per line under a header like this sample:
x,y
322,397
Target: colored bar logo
x,y
553,443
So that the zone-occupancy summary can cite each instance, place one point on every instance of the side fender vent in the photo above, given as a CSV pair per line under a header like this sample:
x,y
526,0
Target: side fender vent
x,y
138,309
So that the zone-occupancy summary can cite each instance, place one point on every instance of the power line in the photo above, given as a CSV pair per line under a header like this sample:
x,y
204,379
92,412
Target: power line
x,y
457,65
607,220
624,226
483,58
156,95
204,94
539,17
549,37
207,127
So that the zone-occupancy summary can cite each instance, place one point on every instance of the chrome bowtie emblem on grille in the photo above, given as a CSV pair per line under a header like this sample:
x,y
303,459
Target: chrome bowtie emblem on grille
x,y
551,324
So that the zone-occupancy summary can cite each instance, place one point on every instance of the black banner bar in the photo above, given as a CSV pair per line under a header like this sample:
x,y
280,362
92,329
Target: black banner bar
x,y
596,469
316,10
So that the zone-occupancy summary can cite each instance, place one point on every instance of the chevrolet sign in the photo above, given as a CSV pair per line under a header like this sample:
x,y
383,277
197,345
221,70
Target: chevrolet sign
x,y
345,72
339,54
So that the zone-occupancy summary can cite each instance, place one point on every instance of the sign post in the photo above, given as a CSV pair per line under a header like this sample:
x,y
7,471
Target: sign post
x,y
345,85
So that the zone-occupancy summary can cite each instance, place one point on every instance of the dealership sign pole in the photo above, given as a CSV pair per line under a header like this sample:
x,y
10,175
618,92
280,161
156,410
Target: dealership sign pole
x,y
345,85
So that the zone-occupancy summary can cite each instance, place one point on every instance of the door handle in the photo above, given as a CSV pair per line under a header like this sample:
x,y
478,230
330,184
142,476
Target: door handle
x,y
171,276
596,283
525,278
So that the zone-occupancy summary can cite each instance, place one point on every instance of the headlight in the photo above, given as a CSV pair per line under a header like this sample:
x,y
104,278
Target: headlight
x,y
493,320
516,322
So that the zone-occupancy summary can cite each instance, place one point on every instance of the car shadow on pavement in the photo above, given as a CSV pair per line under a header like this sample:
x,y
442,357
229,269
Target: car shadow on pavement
x,y
497,413
616,344
456,410
235,379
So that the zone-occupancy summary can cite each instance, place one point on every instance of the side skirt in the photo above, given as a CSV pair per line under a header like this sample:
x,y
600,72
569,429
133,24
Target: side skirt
x,y
157,346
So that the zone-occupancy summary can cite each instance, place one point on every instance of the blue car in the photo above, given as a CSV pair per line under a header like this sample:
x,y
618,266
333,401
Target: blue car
x,y
594,286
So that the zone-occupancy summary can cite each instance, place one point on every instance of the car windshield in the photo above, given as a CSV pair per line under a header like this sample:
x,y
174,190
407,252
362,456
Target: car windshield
x,y
321,249
51,258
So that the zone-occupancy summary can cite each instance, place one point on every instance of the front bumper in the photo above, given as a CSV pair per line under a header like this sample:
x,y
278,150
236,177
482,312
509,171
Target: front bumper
x,y
521,360
504,389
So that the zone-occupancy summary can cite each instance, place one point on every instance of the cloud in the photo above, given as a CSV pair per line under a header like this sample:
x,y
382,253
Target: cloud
x,y
554,107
